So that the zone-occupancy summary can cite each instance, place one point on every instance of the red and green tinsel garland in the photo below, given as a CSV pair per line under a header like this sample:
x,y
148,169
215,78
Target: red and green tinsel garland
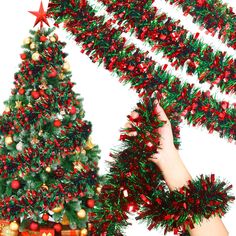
x,y
180,47
129,185
201,198
215,16
104,44
136,185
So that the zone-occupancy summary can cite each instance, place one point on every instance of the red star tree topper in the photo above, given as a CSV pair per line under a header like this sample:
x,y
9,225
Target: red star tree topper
x,y
41,16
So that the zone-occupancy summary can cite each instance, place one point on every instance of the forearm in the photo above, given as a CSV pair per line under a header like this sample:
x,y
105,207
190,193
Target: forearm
x,y
176,175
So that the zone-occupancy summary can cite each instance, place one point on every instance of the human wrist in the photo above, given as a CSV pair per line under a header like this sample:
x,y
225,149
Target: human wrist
x,y
166,156
173,169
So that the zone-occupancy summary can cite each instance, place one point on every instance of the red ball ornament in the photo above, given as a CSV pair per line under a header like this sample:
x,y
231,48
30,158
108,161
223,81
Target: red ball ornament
x,y
45,217
35,94
34,226
57,227
72,110
15,184
43,38
57,123
21,91
90,203
23,56
52,74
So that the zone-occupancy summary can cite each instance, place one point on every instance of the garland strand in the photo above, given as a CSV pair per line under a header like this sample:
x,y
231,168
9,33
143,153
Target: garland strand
x,y
135,185
212,15
104,44
130,182
181,48
200,198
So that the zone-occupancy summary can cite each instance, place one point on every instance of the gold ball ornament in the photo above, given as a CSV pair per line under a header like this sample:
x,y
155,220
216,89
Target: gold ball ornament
x,y
32,46
89,144
8,140
27,41
6,231
66,66
57,209
48,169
52,39
7,109
65,220
83,232
14,226
36,56
81,214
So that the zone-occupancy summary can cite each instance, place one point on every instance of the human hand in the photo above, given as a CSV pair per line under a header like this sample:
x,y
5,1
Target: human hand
x,y
167,149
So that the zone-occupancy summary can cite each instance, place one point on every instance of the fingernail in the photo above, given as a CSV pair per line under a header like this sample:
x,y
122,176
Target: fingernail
x,y
156,102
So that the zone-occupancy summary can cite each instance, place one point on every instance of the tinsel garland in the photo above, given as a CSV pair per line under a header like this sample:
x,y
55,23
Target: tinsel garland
x,y
215,16
129,184
201,198
136,185
104,44
181,48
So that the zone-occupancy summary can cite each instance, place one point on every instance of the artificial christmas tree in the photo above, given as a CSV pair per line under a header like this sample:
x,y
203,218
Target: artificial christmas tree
x,y
48,164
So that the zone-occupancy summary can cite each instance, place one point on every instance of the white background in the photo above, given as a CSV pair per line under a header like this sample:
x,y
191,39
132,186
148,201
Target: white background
x,y
107,102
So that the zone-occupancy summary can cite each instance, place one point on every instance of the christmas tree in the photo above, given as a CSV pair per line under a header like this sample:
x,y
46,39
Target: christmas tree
x,y
48,164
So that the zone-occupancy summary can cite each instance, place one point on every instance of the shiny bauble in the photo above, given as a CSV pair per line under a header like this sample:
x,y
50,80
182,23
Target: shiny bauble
x,y
57,227
32,46
21,91
27,41
34,226
43,39
90,203
8,140
57,123
66,66
7,109
52,73
6,231
35,56
81,214
57,209
89,144
23,56
35,94
48,169
14,226
52,39
45,217
83,232
73,110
